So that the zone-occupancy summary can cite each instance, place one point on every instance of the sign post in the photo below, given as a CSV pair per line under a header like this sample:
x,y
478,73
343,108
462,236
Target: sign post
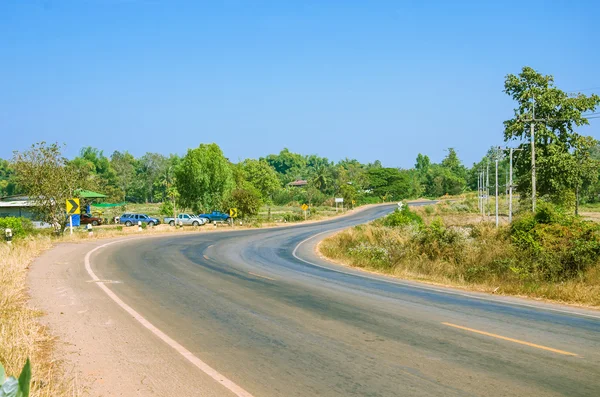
x,y
304,208
73,207
339,200
233,213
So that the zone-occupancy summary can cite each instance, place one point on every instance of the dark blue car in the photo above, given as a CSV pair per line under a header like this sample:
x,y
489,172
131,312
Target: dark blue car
x,y
133,219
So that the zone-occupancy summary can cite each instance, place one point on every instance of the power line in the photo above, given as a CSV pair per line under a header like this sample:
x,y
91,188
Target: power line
x,y
585,89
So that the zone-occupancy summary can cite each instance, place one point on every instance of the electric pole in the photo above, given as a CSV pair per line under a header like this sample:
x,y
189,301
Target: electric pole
x,y
510,187
532,126
487,187
497,154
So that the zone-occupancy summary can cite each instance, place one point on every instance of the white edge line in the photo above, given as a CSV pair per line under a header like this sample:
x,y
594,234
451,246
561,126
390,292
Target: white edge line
x,y
218,377
425,288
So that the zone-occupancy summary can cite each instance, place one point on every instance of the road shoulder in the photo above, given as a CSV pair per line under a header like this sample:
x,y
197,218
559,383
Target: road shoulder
x,y
110,353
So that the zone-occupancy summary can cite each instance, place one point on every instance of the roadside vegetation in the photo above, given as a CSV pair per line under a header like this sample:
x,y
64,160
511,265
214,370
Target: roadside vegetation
x,y
21,334
550,254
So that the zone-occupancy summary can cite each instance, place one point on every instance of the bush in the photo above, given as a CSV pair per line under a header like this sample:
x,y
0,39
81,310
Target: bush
x,y
293,217
554,246
439,242
166,208
403,217
20,226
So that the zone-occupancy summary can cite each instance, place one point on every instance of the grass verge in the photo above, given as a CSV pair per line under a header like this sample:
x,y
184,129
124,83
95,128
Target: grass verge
x,y
21,334
552,259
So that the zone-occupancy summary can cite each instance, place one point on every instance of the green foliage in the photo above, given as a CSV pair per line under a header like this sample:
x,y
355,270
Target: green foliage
x,y
402,217
49,179
166,208
296,196
440,242
20,226
288,165
563,157
204,178
12,387
293,217
7,181
392,183
261,176
247,200
554,246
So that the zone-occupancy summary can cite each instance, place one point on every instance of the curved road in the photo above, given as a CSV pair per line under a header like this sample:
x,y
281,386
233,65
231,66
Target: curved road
x,y
263,310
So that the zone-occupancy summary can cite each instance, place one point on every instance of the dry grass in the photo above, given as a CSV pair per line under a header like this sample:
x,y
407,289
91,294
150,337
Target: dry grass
x,y
21,334
470,264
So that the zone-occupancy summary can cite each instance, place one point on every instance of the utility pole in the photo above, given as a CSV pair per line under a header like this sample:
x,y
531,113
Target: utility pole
x,y
487,187
510,187
532,126
479,191
497,154
482,203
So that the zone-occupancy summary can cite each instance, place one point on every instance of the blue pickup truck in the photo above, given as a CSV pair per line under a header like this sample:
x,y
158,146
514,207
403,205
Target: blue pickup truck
x,y
216,216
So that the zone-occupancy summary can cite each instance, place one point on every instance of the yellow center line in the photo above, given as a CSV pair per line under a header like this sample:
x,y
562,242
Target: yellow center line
x,y
258,275
521,342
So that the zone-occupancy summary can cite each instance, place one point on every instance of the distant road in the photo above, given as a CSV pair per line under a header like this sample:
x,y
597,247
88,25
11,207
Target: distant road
x,y
261,309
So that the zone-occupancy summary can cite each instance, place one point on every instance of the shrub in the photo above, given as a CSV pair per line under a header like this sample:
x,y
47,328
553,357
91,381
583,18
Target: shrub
x,y
20,226
166,208
403,217
554,246
293,217
439,242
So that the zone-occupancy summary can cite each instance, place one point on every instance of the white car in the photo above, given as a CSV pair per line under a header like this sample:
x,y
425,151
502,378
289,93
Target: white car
x,y
185,220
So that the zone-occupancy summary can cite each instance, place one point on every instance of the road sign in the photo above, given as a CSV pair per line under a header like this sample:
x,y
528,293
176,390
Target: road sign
x,y
233,212
304,207
339,199
353,202
73,206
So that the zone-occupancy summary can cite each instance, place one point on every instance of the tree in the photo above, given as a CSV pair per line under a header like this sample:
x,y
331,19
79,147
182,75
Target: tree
x,y
390,183
262,176
203,178
7,180
102,176
124,164
150,168
554,115
288,165
246,199
49,179
422,165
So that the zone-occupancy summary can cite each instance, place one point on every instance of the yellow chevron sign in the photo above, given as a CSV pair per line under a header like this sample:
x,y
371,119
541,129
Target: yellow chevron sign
x,y
73,206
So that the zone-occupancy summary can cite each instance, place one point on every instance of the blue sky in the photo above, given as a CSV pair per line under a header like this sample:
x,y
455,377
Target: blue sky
x,y
360,79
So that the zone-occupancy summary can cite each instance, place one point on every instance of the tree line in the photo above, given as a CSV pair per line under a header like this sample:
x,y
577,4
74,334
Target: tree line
x,y
204,179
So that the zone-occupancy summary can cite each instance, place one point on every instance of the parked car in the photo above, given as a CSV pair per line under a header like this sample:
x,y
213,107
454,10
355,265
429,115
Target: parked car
x,y
216,216
85,219
133,219
186,219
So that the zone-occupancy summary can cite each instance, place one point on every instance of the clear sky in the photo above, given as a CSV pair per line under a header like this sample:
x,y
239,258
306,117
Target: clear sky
x,y
360,79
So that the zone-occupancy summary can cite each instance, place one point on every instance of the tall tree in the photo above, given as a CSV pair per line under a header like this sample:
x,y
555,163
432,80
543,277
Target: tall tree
x,y
124,165
554,115
288,165
204,178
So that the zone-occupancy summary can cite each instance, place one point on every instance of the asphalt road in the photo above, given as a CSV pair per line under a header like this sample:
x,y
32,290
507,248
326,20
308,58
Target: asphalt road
x,y
262,309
